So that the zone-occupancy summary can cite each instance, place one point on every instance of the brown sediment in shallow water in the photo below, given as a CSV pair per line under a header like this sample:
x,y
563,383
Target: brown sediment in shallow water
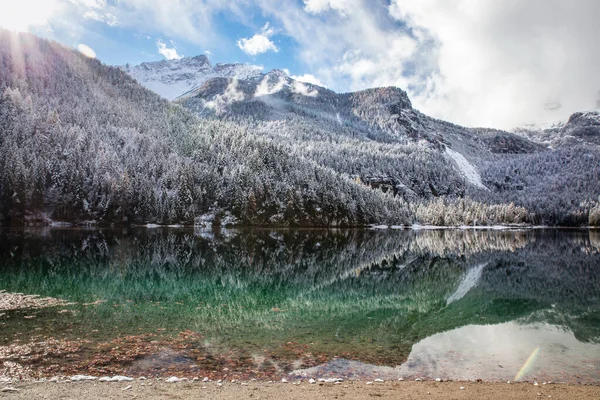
x,y
185,354
16,301
152,389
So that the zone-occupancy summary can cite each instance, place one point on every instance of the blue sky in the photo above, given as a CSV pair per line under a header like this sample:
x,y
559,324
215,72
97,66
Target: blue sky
x,y
473,62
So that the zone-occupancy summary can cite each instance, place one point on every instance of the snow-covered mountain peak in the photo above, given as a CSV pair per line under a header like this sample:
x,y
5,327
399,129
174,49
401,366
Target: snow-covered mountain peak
x,y
580,128
173,79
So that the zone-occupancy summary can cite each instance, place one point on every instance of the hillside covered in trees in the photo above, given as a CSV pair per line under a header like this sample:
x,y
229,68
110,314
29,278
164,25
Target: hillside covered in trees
x,y
377,137
82,142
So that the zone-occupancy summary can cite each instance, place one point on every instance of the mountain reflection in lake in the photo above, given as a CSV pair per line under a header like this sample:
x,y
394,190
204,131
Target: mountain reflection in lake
x,y
267,304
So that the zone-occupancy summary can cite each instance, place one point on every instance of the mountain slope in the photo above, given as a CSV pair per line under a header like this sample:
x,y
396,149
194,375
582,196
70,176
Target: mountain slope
x,y
80,141
175,78
85,143
378,138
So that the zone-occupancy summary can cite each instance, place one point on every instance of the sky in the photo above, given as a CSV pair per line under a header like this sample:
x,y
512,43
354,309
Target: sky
x,y
500,64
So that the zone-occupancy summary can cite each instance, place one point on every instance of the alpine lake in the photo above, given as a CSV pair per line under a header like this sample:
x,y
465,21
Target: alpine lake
x,y
486,304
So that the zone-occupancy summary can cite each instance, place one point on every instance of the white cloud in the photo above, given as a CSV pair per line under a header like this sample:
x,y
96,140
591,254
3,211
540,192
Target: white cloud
x,y
319,6
107,18
517,58
259,43
503,63
265,88
307,78
473,62
304,90
86,50
97,4
166,52
230,95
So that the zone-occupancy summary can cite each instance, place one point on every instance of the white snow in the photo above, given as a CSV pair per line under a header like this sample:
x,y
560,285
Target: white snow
x,y
466,168
175,78
470,280
379,227
116,378
76,378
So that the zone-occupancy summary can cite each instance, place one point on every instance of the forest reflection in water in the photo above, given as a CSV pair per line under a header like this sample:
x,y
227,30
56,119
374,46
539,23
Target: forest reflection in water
x,y
263,303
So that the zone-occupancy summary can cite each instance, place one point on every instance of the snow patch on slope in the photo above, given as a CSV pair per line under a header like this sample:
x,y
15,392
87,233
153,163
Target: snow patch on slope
x,y
466,168
470,280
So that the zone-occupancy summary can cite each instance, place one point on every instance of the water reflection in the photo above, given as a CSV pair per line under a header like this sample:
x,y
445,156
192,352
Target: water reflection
x,y
448,304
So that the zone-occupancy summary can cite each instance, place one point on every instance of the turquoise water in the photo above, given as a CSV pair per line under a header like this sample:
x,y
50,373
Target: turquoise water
x,y
443,304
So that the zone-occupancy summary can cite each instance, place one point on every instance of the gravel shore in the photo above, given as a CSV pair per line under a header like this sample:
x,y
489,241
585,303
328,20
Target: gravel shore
x,y
152,389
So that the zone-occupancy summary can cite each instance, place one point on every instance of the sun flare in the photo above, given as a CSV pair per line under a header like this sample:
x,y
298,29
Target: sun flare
x,y
21,15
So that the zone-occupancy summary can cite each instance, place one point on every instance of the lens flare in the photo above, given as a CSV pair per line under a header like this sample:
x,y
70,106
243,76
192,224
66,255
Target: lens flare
x,y
528,364
22,15
86,50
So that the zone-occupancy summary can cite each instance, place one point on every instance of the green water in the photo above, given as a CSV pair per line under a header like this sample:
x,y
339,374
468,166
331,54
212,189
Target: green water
x,y
267,304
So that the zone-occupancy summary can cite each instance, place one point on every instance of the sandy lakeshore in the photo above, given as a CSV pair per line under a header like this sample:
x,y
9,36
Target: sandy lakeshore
x,y
262,390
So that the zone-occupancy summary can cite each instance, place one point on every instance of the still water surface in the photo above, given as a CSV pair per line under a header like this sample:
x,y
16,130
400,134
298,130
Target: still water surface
x,y
495,305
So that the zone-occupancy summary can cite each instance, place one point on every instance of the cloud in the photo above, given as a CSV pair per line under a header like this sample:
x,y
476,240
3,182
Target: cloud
x,y
107,18
307,78
502,63
319,6
259,43
473,62
230,95
166,52
97,4
265,87
86,50
304,90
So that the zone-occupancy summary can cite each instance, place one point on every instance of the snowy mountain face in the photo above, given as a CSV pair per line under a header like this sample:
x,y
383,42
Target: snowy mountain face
x,y
582,128
381,122
175,78
375,137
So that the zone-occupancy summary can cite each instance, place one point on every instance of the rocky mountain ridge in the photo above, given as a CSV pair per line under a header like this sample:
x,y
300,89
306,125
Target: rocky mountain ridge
x,y
173,79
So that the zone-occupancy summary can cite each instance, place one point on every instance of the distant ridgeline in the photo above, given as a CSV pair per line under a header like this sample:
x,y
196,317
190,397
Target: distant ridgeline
x,y
82,142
